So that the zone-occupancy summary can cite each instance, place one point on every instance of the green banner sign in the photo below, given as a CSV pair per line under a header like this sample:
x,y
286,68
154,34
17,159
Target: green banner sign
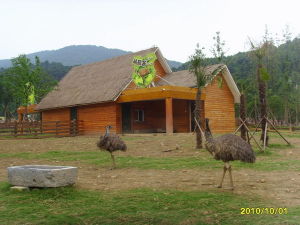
x,y
144,70
31,95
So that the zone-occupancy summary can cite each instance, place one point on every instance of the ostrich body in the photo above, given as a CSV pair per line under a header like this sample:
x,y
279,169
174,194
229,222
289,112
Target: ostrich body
x,y
228,148
111,142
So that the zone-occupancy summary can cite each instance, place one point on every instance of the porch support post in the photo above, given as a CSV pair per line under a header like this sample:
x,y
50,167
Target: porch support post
x,y
169,115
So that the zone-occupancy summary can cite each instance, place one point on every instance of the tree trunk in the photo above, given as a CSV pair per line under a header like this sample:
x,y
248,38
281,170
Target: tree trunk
x,y
243,116
197,115
6,112
296,111
263,105
286,114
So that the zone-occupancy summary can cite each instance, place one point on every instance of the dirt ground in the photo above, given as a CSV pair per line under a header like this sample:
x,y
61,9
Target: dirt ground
x,y
280,187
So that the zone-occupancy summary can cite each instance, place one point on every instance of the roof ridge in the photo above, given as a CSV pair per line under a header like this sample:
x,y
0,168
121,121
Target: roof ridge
x,y
115,57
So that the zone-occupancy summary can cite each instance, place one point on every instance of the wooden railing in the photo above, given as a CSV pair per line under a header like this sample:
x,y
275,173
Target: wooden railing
x,y
39,129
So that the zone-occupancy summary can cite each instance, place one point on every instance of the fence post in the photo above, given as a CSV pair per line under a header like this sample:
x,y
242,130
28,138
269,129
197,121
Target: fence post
x,y
41,127
16,129
35,127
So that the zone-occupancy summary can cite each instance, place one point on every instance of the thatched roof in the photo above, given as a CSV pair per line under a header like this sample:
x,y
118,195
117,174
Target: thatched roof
x,y
96,82
104,81
187,79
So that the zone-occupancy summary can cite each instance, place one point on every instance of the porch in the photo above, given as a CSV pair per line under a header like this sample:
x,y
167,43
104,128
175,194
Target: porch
x,y
163,109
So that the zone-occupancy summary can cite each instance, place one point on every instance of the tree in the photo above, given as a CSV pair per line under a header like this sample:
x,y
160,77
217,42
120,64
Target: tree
x,y
196,66
218,48
262,76
28,81
6,97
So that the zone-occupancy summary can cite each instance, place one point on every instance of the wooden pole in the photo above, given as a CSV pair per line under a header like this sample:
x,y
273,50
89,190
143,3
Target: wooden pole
x,y
243,116
256,128
277,131
202,133
169,115
252,136
16,129
265,136
238,128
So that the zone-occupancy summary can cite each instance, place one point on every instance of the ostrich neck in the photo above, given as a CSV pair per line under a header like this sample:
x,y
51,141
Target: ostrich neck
x,y
107,131
210,143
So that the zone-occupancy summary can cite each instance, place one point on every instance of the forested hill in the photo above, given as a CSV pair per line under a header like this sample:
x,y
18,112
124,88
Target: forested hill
x,y
242,66
283,91
77,55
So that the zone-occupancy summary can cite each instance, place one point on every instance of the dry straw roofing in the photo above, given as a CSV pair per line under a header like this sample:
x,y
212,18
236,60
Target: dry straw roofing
x,y
104,81
92,83
186,78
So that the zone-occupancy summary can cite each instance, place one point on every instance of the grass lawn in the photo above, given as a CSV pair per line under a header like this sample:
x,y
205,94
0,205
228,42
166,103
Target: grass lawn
x,y
151,186
268,161
138,206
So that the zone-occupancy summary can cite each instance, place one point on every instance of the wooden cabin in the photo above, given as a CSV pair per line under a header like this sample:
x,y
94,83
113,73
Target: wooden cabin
x,y
103,93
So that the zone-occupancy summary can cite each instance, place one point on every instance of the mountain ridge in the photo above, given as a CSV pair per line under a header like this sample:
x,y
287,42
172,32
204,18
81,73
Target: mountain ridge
x,y
78,55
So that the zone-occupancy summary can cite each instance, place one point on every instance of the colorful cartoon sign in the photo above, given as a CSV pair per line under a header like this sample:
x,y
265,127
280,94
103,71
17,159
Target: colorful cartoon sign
x,y
31,95
144,70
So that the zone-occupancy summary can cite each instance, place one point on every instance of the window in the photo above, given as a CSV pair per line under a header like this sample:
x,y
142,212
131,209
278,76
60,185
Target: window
x,y
73,113
139,115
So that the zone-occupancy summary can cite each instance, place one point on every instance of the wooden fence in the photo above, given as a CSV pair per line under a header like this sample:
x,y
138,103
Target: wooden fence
x,y
39,129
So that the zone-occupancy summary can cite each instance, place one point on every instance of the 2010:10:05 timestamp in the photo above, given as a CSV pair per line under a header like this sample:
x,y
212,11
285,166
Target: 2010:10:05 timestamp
x,y
271,211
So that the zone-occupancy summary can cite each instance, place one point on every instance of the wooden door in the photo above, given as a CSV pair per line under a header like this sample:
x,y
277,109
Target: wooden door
x,y
126,117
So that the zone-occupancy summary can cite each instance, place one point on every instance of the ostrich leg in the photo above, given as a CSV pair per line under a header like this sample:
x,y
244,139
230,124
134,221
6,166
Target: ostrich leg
x,y
113,160
224,172
230,177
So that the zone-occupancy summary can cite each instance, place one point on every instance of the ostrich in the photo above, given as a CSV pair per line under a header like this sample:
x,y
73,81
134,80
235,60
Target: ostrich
x,y
111,142
227,148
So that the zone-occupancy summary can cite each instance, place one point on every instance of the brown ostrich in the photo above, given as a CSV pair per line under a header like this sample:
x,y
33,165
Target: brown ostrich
x,y
228,148
111,142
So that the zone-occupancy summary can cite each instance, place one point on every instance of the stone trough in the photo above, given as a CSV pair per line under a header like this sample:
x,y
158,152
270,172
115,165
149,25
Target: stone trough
x,y
42,175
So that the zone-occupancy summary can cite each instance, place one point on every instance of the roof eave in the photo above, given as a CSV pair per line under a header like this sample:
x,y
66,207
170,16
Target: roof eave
x,y
231,84
163,61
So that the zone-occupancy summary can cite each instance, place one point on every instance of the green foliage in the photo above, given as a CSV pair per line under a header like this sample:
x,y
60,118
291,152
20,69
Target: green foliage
x,y
55,69
220,82
196,66
283,76
218,48
22,84
25,77
264,75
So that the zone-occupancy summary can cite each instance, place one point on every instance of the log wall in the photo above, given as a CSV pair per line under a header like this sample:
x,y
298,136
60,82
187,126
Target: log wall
x,y
154,116
181,115
56,115
219,107
94,118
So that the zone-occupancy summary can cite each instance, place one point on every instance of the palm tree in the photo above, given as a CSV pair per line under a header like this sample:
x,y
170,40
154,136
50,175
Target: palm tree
x,y
260,51
196,66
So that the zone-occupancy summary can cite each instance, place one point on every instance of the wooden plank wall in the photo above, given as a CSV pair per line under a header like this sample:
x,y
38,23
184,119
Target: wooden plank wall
x,y
56,115
181,115
219,107
94,118
154,114
61,116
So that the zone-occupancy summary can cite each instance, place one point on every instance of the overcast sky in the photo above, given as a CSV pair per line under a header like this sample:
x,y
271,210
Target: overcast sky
x,y
175,26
